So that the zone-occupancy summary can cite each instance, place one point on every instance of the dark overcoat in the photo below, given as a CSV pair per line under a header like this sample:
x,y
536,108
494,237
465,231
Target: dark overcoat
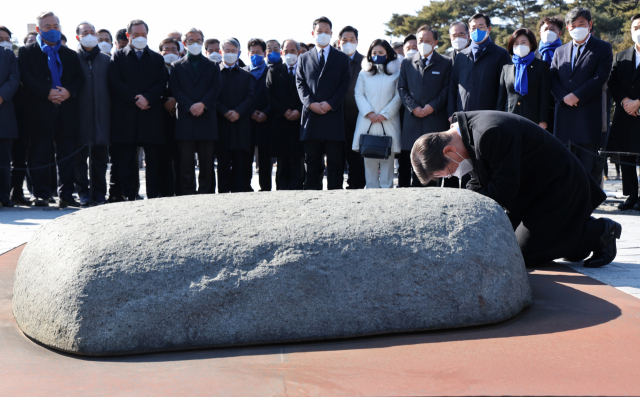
x,y
236,94
9,83
624,82
533,106
283,95
94,100
260,132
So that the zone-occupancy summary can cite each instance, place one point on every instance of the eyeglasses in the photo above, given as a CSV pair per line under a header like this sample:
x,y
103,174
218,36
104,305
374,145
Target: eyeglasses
x,y
189,42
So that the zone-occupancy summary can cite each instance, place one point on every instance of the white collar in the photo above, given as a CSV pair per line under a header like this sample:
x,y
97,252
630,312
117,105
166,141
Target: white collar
x,y
229,67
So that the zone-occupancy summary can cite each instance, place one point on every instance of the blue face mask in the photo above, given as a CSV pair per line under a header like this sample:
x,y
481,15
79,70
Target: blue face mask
x,y
379,59
478,35
52,36
273,57
256,60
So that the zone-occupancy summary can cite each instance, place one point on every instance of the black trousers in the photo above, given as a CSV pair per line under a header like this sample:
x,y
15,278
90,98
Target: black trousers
x,y
126,160
174,155
265,168
19,171
629,176
5,169
290,173
99,160
187,177
587,154
315,150
406,176
231,175
356,178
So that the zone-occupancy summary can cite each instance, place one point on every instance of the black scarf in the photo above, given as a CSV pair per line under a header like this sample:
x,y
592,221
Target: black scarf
x,y
89,56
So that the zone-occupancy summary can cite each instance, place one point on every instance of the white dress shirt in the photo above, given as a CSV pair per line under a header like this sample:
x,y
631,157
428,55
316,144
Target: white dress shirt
x,y
574,49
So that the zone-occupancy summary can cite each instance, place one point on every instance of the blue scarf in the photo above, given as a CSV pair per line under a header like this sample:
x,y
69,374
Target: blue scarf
x,y
257,71
548,49
522,80
480,47
55,65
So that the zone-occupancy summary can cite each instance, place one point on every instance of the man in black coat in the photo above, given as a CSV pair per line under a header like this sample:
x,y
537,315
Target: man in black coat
x,y
459,36
348,45
260,118
423,86
170,49
545,191
234,111
579,73
286,109
138,81
624,86
322,79
9,82
195,84
52,77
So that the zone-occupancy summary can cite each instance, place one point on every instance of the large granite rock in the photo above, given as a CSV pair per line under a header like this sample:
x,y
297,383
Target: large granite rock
x,y
232,269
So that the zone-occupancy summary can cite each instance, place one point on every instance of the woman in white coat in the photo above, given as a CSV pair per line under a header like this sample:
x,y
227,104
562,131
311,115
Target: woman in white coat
x,y
378,105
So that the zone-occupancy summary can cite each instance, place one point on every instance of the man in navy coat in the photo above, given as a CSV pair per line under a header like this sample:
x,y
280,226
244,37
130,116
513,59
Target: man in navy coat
x,y
322,79
579,73
9,82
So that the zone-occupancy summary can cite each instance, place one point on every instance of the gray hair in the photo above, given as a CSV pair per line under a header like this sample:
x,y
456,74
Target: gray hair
x,y
577,13
458,23
292,40
192,30
231,41
46,14
85,23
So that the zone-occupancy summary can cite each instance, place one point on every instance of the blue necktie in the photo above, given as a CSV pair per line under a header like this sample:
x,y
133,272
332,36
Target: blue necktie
x,y
139,54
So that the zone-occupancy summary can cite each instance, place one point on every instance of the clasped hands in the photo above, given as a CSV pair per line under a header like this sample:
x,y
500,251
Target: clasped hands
x,y
292,115
320,107
571,100
375,118
58,95
422,112
232,116
631,106
259,116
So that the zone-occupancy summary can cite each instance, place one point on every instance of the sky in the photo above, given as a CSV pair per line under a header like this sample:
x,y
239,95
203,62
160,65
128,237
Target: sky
x,y
275,19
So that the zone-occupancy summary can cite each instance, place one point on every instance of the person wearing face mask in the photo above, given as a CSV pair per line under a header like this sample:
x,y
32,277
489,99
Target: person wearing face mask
x,y
138,79
260,118
169,49
525,85
273,57
410,46
239,61
423,86
546,193
550,34
9,83
323,78
625,128
195,84
235,108
94,105
212,50
52,78
379,104
475,78
286,110
105,41
579,73
459,36
349,45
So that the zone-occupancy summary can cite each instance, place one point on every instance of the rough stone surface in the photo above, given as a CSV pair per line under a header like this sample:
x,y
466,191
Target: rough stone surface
x,y
220,270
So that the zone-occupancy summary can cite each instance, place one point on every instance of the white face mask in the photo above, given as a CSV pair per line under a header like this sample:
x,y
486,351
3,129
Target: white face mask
x,y
464,167
105,47
195,49
349,48
215,56
548,36
425,49
290,59
636,36
170,58
7,44
459,43
139,43
521,50
579,34
230,58
409,54
181,49
323,39
89,41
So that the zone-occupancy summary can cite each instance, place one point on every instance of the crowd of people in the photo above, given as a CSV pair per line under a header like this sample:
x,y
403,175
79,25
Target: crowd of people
x,y
304,106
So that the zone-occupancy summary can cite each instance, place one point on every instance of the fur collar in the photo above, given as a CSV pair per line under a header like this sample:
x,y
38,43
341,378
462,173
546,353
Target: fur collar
x,y
392,67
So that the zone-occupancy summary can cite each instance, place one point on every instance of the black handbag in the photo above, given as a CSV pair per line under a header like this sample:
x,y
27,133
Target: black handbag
x,y
375,146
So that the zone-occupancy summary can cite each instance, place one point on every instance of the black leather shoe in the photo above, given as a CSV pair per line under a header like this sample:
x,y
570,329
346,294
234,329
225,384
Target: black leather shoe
x,y
38,202
577,258
608,251
630,203
8,204
20,200
637,206
68,203
115,199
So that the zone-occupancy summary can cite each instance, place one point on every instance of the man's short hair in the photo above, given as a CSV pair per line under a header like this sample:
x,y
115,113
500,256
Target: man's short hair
x,y
396,44
107,32
208,42
557,20
136,22
577,13
322,20
454,23
428,29
169,40
349,28
272,41
303,45
121,35
32,33
6,29
409,38
63,38
255,42
46,14
231,41
533,42
427,155
83,23
192,30
293,41
487,20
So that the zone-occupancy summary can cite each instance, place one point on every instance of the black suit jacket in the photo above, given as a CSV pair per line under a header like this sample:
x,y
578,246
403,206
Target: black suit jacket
x,y
9,83
260,132
189,86
533,106
35,77
350,107
236,94
624,82
129,77
283,95
475,85
586,122
318,85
